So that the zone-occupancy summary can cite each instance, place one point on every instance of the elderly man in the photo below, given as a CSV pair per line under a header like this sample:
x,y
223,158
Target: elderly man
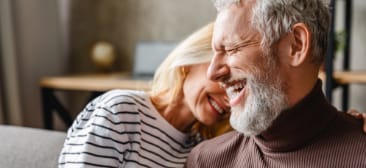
x,y
267,57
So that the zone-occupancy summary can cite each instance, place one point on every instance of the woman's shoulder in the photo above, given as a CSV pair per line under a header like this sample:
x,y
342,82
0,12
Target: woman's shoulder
x,y
114,107
120,93
118,97
123,102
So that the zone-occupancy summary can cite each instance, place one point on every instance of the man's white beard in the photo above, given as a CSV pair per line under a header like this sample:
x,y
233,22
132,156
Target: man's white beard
x,y
264,103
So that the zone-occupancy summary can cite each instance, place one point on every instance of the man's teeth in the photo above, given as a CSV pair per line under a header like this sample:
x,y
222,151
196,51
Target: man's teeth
x,y
234,90
216,106
232,95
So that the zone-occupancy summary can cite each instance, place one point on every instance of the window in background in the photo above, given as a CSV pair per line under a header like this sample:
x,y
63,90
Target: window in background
x,y
148,56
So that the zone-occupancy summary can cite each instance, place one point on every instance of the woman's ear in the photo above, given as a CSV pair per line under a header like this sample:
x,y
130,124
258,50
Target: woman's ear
x,y
300,44
184,71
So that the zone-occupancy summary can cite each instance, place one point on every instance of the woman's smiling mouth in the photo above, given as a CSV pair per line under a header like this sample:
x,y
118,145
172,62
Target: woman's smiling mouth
x,y
217,106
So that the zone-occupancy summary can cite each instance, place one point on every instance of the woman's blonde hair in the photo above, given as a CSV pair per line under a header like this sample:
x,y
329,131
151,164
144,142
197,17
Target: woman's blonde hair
x,y
169,77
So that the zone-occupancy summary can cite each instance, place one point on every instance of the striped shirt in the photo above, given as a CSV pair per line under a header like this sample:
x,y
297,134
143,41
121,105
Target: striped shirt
x,y
122,128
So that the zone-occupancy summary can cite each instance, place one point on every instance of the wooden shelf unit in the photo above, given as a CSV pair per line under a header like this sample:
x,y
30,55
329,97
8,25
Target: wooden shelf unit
x,y
350,77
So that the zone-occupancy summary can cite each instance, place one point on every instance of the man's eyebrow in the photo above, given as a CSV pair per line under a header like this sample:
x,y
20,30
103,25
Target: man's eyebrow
x,y
231,43
241,43
236,43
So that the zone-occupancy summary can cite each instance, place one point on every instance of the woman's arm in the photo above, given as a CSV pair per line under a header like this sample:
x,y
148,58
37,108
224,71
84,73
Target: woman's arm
x,y
94,139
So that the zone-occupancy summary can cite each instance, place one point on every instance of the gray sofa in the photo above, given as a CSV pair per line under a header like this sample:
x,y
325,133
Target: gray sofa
x,y
22,147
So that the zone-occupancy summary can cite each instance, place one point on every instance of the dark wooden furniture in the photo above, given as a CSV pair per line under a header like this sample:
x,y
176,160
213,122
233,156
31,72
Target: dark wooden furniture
x,y
94,83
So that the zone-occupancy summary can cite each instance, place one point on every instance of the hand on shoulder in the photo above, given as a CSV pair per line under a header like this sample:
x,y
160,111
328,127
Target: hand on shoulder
x,y
358,115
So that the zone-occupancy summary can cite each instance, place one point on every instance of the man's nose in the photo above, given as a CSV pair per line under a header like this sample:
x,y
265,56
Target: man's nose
x,y
217,69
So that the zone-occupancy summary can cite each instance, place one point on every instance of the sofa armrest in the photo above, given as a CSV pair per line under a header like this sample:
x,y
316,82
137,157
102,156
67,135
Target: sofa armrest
x,y
29,147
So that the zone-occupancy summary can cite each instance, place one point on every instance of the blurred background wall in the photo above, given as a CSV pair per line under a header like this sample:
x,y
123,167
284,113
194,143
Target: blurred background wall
x,y
31,48
126,22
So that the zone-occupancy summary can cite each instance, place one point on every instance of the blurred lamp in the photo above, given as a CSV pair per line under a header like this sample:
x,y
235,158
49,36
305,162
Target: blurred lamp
x,y
103,55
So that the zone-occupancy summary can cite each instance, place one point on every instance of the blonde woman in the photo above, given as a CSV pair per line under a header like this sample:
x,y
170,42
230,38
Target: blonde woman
x,y
125,128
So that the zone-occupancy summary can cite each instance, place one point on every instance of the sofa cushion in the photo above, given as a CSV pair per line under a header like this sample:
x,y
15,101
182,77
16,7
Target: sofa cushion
x,y
29,147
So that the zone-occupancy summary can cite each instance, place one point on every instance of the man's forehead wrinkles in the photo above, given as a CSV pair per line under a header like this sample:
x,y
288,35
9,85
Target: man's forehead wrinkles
x,y
234,34
235,41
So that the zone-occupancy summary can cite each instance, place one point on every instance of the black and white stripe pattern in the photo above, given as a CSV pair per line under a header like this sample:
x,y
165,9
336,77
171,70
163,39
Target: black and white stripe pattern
x,y
123,129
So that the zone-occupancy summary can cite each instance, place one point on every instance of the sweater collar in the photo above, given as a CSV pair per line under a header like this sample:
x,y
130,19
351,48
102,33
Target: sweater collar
x,y
299,124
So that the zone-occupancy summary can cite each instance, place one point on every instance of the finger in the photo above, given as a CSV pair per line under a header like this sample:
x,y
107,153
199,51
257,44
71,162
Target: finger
x,y
357,116
351,110
355,113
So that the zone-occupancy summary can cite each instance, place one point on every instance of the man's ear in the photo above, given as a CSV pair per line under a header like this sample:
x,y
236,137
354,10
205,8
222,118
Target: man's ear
x,y
300,44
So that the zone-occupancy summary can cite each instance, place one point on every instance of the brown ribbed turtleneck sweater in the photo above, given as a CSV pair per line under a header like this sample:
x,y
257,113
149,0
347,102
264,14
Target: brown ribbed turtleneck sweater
x,y
310,134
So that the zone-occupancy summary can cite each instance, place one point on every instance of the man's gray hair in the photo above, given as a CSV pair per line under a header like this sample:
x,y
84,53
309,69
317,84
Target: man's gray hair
x,y
275,18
